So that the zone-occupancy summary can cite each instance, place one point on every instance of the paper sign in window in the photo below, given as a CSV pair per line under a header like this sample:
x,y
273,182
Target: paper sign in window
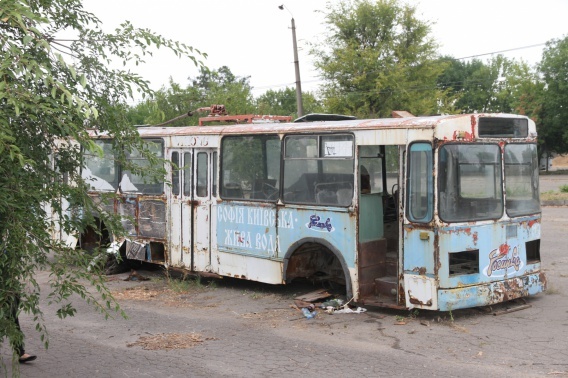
x,y
338,149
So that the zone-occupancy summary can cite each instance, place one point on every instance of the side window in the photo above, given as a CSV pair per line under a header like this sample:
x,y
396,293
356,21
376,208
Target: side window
x,y
420,193
370,170
175,173
214,193
319,169
250,168
187,174
136,182
101,172
202,175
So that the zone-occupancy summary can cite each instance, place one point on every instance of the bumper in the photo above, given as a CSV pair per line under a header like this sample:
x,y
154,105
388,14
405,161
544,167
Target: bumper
x,y
491,293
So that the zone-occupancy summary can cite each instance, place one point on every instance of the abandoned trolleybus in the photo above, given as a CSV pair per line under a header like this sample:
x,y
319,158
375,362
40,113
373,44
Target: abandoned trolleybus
x,y
435,213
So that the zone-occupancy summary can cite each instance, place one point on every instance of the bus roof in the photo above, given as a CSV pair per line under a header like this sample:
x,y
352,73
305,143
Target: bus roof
x,y
429,122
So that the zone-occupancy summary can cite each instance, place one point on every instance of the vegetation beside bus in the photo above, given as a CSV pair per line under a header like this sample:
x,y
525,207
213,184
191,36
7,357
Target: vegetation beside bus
x,y
46,103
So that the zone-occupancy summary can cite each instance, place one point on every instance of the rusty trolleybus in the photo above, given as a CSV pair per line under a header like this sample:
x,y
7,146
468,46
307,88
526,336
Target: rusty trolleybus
x,y
435,213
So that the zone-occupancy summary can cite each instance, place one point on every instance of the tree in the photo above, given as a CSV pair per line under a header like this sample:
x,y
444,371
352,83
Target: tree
x,y
283,102
210,87
380,58
167,104
490,87
553,132
51,90
223,87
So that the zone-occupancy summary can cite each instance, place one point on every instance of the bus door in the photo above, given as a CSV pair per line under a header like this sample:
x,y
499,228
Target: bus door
x,y
419,263
204,168
180,208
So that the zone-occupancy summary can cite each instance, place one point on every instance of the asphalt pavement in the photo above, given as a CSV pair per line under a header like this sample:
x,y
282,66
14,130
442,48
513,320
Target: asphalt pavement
x,y
239,328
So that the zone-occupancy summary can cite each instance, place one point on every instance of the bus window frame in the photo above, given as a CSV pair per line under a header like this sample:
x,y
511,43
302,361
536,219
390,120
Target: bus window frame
x,y
223,190
536,191
319,157
147,182
500,164
429,193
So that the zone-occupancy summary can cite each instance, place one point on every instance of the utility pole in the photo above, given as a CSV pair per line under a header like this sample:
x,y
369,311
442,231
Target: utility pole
x,y
299,103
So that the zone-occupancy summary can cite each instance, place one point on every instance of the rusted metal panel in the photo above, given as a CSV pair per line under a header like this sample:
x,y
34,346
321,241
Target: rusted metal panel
x,y
420,291
249,267
500,257
152,219
491,293
371,264
419,250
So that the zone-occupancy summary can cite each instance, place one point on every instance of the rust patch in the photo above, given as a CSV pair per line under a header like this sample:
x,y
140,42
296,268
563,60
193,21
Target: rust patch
x,y
463,135
416,301
420,270
543,281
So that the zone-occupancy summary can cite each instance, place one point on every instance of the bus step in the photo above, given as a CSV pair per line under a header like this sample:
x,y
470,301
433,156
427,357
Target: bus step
x,y
391,263
386,286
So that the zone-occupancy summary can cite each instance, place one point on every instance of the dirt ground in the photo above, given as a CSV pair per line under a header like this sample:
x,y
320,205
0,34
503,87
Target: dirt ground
x,y
560,163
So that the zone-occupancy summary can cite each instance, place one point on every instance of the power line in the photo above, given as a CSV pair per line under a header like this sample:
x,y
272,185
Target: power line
x,y
502,51
465,57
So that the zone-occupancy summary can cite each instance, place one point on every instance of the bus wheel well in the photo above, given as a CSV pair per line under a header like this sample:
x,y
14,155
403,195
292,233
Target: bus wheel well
x,y
315,262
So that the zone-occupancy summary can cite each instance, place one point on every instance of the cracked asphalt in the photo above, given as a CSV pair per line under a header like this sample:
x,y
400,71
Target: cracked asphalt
x,y
247,329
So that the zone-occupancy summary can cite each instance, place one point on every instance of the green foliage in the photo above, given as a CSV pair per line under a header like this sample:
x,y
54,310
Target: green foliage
x,y
379,57
564,189
209,88
492,87
283,102
554,70
50,91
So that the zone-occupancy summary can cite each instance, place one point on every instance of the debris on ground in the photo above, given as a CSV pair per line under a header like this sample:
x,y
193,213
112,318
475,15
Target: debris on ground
x,y
301,304
138,293
331,306
135,276
169,341
512,309
309,314
314,296
348,310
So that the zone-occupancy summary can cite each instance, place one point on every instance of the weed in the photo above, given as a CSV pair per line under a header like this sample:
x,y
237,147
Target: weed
x,y
399,318
450,312
255,296
185,284
179,286
564,189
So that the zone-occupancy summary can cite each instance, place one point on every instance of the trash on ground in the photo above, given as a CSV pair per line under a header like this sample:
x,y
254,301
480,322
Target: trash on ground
x,y
309,314
347,310
335,303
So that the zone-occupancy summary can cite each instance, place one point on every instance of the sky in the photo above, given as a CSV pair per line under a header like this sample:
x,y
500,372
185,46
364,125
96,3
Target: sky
x,y
253,37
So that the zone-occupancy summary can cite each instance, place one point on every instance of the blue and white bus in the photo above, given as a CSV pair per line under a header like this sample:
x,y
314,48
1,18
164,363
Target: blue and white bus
x,y
434,213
